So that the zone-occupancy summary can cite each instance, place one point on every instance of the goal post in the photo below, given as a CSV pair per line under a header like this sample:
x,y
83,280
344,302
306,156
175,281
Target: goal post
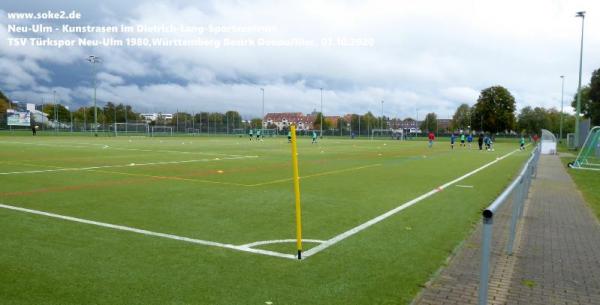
x,y
397,134
589,155
192,131
129,128
161,131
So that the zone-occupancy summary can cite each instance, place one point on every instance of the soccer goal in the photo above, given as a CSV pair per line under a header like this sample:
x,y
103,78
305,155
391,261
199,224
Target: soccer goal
x,y
269,132
397,134
589,155
192,131
130,128
161,131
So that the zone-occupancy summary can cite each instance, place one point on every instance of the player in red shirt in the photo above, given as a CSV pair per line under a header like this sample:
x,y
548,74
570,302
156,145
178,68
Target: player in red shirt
x,y
431,138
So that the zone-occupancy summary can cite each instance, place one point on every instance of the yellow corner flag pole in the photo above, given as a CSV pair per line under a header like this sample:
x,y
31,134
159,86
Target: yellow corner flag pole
x,y
297,192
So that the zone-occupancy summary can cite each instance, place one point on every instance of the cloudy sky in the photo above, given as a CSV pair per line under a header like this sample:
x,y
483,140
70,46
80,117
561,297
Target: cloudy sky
x,y
417,55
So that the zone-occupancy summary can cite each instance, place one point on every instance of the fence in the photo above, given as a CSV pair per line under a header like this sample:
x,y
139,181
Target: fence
x,y
518,189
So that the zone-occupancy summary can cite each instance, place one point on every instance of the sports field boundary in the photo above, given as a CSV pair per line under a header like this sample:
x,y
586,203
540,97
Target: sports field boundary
x,y
336,239
106,146
244,248
70,169
322,245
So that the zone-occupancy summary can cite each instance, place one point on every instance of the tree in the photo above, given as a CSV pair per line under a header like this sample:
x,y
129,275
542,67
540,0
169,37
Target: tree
x,y
494,110
594,98
64,115
233,118
368,122
181,120
4,102
429,123
532,120
354,123
590,99
257,123
461,118
110,111
317,122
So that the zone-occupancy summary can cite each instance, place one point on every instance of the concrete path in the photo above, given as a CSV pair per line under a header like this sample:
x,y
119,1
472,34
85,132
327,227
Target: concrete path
x,y
557,252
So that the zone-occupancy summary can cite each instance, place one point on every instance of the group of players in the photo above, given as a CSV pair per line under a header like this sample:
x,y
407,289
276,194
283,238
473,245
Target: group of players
x,y
259,136
484,139
466,140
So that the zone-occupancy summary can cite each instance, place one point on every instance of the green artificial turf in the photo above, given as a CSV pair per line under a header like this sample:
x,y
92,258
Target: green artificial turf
x,y
234,191
587,182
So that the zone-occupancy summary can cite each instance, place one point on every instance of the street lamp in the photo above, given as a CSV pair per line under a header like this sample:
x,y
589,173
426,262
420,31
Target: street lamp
x,y
262,124
578,108
562,95
94,60
381,115
55,112
321,113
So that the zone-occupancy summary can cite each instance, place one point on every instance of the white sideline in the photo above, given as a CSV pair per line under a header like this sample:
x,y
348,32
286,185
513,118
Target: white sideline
x,y
279,241
90,145
387,214
247,247
120,165
151,233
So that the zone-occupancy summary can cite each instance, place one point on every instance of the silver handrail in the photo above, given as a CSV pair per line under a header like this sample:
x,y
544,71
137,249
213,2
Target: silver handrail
x,y
519,189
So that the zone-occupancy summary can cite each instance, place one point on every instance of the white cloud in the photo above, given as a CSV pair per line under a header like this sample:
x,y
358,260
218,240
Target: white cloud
x,y
428,55
110,78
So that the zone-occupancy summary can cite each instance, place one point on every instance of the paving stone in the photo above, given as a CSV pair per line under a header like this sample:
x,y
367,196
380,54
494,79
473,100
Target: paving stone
x,y
556,257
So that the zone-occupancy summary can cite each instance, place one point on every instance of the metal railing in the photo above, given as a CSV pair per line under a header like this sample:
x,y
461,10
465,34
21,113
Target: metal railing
x,y
518,189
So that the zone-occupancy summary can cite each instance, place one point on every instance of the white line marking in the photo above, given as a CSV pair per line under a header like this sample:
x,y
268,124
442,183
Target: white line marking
x,y
104,146
387,214
465,186
280,241
151,233
120,165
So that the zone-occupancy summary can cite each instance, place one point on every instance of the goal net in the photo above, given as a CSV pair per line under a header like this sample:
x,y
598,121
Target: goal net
x,y
192,131
269,132
589,155
387,133
161,131
129,128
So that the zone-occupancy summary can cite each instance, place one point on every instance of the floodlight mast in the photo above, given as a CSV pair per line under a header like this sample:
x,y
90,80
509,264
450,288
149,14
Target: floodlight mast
x,y
562,100
578,107
381,114
94,60
262,123
321,134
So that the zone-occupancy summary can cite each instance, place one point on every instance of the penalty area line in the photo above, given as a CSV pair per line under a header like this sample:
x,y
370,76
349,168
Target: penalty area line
x,y
336,239
89,168
243,248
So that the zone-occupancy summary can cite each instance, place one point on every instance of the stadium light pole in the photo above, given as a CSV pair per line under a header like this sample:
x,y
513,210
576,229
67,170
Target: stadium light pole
x,y
115,118
321,113
94,60
578,108
55,112
262,124
562,96
381,114
359,125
